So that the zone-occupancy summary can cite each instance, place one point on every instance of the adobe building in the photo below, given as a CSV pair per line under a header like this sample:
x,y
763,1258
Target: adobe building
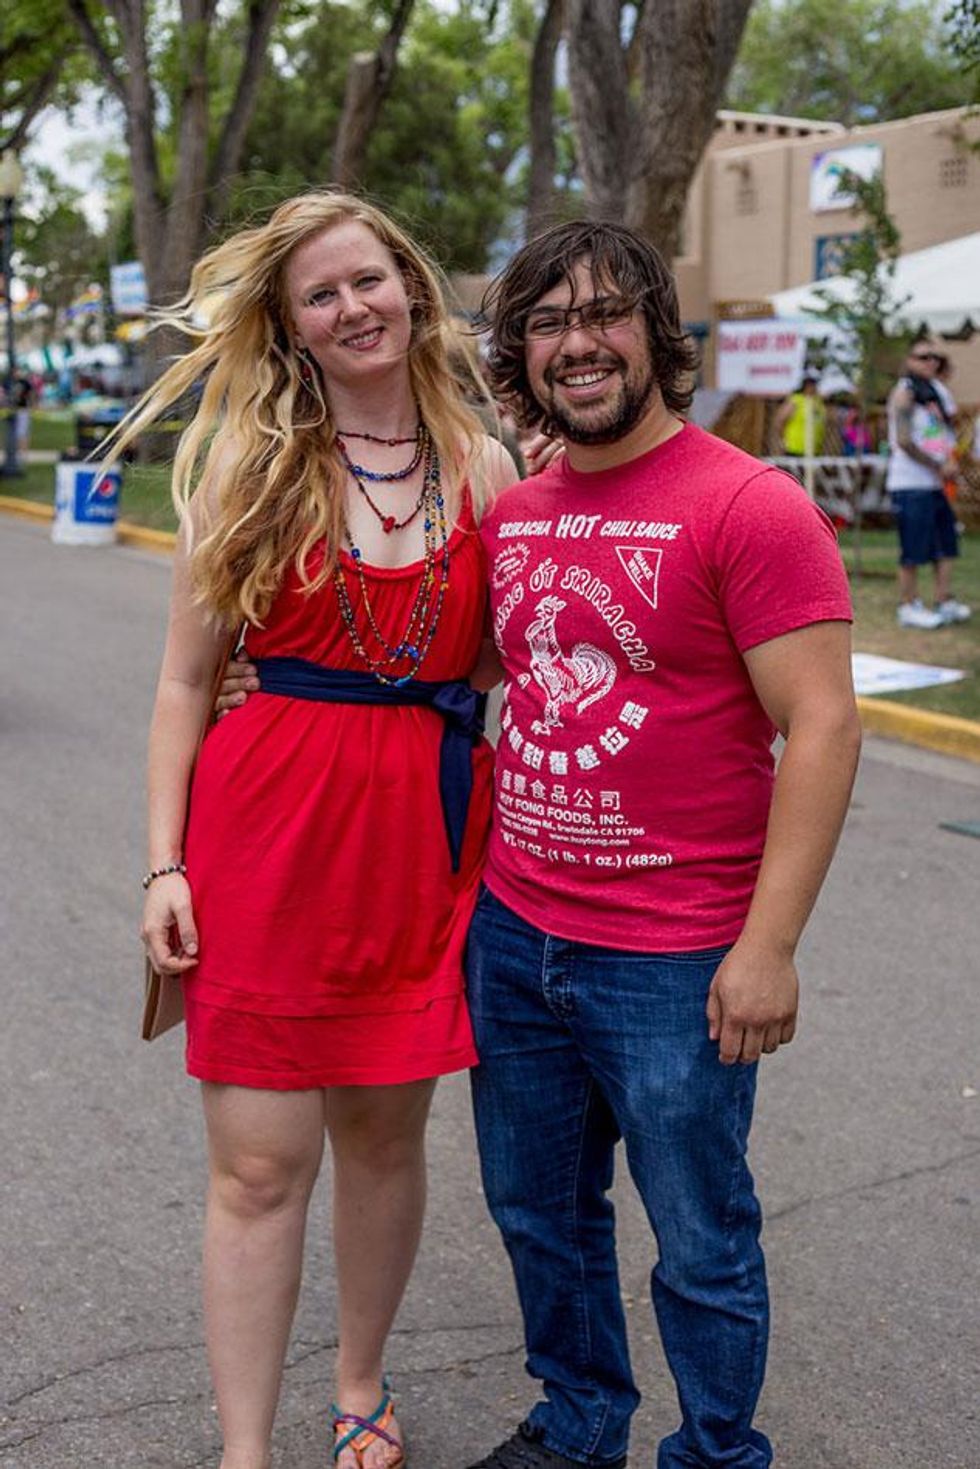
x,y
760,217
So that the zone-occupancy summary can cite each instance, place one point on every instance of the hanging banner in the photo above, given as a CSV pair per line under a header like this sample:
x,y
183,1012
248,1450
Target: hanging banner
x,y
128,286
88,303
762,357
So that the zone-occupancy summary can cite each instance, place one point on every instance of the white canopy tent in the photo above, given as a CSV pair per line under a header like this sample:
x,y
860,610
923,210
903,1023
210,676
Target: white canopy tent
x,y
942,285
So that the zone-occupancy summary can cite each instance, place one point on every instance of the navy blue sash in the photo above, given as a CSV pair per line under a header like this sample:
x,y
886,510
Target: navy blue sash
x,y
460,706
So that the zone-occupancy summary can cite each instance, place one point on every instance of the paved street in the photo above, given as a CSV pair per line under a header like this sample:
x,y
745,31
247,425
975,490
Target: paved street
x,y
866,1148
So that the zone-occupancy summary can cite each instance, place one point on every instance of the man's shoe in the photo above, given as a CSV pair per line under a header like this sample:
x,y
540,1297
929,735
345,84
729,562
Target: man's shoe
x,y
913,614
953,611
524,1450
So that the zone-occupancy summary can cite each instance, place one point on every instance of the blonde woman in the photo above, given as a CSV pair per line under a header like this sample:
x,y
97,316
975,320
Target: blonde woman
x,y
314,893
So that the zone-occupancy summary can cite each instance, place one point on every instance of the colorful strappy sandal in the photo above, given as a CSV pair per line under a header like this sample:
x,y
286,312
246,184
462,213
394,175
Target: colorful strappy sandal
x,y
354,1432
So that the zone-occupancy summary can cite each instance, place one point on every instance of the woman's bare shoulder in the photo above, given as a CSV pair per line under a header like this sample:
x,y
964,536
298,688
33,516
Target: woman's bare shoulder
x,y
495,467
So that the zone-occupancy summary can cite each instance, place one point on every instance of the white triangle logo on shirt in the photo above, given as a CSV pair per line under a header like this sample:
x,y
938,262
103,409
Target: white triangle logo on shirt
x,y
642,566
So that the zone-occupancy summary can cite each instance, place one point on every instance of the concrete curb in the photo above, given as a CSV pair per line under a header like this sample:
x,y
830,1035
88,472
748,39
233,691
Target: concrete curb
x,y
943,732
26,509
127,532
146,539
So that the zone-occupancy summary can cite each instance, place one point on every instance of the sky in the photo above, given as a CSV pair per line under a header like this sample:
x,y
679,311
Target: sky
x,y
71,149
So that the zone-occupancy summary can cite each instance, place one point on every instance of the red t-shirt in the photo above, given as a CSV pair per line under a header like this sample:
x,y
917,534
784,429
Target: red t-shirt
x,y
634,769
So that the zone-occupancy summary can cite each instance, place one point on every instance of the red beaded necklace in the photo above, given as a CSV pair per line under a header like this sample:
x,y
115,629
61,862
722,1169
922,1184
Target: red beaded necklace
x,y
358,474
347,433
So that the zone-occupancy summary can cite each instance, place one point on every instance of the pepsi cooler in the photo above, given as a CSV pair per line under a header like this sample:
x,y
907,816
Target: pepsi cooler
x,y
86,504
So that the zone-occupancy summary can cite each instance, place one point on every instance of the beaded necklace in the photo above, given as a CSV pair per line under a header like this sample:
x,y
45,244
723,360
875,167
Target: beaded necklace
x,y
390,522
346,433
409,653
380,476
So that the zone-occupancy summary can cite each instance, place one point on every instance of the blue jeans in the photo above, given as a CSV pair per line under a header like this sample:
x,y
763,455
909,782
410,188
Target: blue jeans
x,y
581,1046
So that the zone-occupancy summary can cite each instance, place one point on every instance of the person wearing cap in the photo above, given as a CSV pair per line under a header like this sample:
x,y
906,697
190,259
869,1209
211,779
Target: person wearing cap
x,y
921,461
800,425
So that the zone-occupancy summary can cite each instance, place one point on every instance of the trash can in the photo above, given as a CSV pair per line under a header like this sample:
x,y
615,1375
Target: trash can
x,y
86,504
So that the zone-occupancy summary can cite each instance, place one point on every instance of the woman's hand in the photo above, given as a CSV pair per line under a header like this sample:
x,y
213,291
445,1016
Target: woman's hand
x,y
169,931
239,681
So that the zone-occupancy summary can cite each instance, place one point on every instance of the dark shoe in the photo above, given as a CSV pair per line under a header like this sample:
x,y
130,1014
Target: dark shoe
x,y
524,1450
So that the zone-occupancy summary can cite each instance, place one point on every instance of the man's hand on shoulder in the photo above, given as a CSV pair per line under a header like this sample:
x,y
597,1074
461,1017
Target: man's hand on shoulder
x,y
752,1003
239,681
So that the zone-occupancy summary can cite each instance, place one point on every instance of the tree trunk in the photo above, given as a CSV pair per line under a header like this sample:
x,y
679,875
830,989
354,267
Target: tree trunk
x,y
227,159
602,111
639,152
185,216
541,177
369,79
170,235
686,51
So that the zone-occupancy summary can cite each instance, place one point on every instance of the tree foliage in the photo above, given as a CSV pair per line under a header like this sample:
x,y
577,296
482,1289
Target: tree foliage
x,y
446,150
185,120
58,251
868,260
39,63
848,61
963,22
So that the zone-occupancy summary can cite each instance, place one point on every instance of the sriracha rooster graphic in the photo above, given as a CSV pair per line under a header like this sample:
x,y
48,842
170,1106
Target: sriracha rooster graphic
x,y
580,677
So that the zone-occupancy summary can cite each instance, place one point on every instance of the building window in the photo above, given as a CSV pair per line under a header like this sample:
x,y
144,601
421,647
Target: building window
x,y
952,172
827,251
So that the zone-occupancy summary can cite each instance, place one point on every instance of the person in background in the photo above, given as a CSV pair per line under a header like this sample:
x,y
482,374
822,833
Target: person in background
x,y
800,425
855,434
24,397
922,460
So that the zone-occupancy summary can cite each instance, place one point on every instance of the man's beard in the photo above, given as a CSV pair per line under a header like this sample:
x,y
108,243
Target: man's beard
x,y
619,419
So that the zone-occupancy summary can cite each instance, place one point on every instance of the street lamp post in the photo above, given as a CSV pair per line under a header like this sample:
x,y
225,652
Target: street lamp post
x,y
11,180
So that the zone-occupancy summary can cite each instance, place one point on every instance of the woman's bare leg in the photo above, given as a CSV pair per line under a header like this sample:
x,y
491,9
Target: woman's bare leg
x,y
264,1151
377,1135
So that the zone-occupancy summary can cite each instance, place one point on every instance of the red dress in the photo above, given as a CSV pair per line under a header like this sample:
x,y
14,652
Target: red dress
x,y
331,924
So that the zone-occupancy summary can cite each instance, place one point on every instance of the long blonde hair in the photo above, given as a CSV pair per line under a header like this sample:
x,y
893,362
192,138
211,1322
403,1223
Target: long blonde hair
x,y
256,457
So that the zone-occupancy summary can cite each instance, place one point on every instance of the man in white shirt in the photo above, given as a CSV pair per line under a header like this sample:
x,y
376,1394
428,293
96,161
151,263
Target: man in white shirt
x,y
922,444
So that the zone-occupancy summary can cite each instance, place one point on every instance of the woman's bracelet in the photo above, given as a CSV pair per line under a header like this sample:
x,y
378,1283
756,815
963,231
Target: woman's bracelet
x,y
177,867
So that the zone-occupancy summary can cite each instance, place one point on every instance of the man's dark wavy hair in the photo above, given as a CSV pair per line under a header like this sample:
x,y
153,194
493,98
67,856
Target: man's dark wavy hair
x,y
620,258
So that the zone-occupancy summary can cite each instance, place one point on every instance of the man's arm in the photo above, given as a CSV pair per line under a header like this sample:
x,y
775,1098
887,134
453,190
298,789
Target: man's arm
x,y
803,681
903,405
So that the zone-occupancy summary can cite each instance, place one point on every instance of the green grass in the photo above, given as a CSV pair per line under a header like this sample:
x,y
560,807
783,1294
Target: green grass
x,y
52,429
146,496
145,492
876,631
